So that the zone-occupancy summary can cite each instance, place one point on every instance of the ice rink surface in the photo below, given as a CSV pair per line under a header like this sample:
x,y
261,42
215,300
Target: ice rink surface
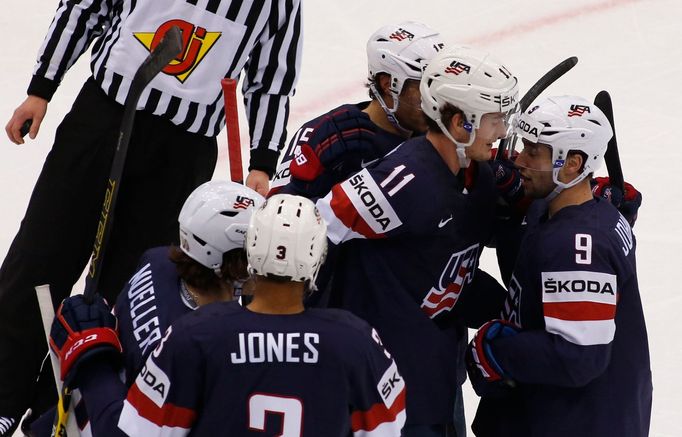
x,y
631,48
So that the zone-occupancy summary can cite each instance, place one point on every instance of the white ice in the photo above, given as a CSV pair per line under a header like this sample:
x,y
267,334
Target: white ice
x,y
631,48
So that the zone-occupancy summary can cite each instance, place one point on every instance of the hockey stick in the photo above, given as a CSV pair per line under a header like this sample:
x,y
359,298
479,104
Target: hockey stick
x,y
234,147
167,49
545,81
612,158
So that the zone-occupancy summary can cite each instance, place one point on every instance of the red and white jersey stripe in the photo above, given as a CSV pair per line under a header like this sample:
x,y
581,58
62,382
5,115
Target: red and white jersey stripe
x,y
580,306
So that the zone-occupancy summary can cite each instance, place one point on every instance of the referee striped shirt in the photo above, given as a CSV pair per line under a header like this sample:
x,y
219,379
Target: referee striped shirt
x,y
221,38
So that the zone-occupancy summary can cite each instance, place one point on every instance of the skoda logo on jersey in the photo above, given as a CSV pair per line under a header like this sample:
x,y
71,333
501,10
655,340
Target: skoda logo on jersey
x,y
196,42
458,272
457,67
578,110
401,35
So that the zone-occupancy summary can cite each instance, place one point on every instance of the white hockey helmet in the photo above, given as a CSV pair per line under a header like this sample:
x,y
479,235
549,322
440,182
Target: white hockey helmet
x,y
471,80
567,123
400,50
287,238
214,220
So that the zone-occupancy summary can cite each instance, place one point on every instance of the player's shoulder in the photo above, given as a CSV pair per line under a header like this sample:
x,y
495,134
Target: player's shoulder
x,y
211,314
351,108
157,259
347,328
594,227
338,317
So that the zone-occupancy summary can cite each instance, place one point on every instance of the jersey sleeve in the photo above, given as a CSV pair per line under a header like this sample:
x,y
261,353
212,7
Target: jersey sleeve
x,y
578,295
271,75
375,203
165,397
75,25
378,401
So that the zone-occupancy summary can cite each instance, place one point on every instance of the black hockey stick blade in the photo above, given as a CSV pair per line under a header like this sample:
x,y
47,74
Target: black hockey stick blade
x,y
545,81
167,49
612,158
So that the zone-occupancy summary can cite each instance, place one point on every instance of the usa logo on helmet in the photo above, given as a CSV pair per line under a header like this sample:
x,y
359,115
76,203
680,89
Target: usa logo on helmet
x,y
457,67
578,110
401,35
243,202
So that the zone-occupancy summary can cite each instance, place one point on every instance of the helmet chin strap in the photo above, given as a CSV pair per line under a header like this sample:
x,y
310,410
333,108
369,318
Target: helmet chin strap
x,y
560,186
390,112
464,161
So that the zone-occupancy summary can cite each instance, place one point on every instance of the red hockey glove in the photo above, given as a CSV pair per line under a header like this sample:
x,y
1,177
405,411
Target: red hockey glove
x,y
339,137
486,375
82,329
628,203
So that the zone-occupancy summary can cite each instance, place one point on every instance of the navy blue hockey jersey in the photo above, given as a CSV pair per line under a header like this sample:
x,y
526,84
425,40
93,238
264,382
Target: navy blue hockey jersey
x,y
149,303
413,238
225,369
582,359
382,143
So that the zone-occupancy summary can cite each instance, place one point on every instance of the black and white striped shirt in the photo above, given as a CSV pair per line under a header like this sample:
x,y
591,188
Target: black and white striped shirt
x,y
221,38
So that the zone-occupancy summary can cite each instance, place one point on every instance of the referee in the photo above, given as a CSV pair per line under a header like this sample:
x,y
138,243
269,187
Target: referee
x,y
172,150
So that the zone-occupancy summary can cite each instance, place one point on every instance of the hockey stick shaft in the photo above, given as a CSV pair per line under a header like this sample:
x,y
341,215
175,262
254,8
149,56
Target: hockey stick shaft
x,y
234,146
545,81
167,50
611,157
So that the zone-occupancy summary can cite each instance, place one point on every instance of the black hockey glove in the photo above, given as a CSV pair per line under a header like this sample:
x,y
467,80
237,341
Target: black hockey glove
x,y
337,146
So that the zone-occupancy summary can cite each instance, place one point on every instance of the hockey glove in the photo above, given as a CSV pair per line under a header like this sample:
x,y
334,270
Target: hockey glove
x,y
82,329
338,137
507,180
627,203
486,375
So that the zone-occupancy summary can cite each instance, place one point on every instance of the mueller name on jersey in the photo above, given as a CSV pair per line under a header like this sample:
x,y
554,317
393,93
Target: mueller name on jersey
x,y
268,347
143,312
370,203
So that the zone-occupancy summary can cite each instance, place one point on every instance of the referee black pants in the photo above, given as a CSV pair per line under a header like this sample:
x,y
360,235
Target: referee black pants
x,y
164,164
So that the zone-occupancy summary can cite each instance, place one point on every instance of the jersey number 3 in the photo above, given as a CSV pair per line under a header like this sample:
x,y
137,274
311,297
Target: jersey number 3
x,y
291,410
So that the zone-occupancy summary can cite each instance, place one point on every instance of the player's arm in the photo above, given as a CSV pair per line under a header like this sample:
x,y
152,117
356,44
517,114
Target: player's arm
x,y
578,310
83,336
378,399
270,78
375,203
480,301
165,397
329,150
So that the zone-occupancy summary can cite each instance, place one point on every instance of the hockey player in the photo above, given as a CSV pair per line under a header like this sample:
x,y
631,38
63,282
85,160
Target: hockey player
x,y
331,147
570,355
416,234
209,265
272,366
